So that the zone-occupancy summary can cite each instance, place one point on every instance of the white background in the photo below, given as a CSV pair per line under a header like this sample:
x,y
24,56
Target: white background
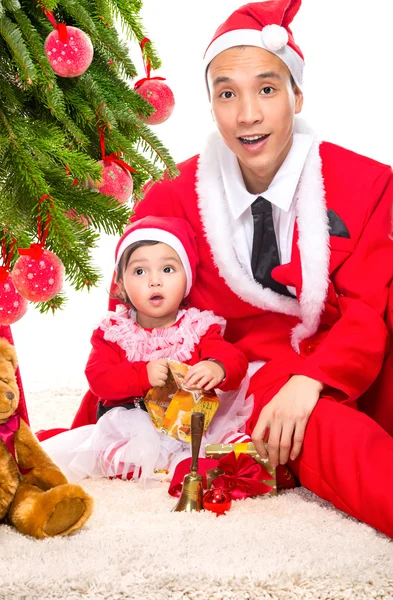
x,y
347,46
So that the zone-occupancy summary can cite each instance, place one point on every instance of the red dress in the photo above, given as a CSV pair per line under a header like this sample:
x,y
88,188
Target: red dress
x,y
113,377
122,441
117,365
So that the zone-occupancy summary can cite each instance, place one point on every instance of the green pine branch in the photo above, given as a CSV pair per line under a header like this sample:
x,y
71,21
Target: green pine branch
x,y
44,73
18,49
58,302
49,128
132,25
11,5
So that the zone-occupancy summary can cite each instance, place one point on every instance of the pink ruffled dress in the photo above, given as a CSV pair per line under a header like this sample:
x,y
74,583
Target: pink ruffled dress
x,y
125,441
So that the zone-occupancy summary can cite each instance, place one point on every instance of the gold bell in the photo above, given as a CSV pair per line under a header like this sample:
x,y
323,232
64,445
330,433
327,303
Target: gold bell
x,y
192,492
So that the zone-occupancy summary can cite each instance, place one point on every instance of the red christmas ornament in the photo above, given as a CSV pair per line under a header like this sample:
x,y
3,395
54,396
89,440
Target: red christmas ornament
x,y
217,500
115,181
159,95
69,50
38,276
12,305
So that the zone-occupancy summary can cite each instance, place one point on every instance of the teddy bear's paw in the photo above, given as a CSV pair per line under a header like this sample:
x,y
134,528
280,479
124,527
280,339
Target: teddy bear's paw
x,y
58,511
70,509
65,514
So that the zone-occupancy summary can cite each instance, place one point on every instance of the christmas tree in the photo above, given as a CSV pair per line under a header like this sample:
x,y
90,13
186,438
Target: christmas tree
x,y
60,130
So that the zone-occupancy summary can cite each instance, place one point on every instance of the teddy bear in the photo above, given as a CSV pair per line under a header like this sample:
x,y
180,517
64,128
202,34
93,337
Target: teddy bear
x,y
35,496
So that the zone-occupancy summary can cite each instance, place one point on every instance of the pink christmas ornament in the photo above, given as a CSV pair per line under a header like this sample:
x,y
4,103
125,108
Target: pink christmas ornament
x,y
69,50
115,181
38,276
12,305
159,95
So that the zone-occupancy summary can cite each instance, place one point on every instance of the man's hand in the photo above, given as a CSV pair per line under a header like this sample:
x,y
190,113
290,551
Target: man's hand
x,y
206,374
157,372
286,416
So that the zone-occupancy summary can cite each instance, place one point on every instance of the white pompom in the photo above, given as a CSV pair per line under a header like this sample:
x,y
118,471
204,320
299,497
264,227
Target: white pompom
x,y
274,37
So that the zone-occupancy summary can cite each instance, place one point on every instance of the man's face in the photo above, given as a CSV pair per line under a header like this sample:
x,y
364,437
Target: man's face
x,y
254,104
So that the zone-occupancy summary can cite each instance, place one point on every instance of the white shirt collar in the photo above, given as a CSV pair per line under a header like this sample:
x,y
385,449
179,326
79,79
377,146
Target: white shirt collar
x,y
283,187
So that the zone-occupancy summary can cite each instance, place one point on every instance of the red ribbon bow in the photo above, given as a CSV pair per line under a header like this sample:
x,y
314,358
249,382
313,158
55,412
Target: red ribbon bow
x,y
147,66
61,27
7,433
115,156
36,250
6,257
243,476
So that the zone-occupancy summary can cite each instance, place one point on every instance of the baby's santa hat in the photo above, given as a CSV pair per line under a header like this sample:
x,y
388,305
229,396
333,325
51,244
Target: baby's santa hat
x,y
265,25
173,231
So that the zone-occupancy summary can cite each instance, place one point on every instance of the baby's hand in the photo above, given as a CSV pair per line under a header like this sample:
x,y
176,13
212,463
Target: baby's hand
x,y
157,372
206,374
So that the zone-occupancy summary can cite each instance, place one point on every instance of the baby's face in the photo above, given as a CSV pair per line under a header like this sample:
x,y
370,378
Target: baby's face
x,y
155,282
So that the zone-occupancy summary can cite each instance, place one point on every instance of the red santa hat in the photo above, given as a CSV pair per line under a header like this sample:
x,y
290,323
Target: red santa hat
x,y
265,25
173,231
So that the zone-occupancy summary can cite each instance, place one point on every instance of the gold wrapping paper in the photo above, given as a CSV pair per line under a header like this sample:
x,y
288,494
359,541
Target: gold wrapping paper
x,y
217,451
170,407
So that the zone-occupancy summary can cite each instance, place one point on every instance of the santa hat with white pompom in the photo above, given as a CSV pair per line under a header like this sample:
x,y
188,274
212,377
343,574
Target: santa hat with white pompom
x,y
265,25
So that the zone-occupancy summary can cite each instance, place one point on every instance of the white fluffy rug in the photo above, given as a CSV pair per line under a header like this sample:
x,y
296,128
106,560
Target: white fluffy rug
x,y
293,546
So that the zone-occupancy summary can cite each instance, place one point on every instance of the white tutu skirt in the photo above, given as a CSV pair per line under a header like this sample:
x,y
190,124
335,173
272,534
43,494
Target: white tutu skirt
x,y
125,442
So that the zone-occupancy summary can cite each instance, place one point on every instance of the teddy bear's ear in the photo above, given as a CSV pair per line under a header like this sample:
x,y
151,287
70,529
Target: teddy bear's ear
x,y
8,351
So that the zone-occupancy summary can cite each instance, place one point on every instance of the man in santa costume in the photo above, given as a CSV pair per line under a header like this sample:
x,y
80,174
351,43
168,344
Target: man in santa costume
x,y
293,239
295,253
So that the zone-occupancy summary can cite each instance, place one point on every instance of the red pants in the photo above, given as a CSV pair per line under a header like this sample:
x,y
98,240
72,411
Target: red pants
x,y
347,458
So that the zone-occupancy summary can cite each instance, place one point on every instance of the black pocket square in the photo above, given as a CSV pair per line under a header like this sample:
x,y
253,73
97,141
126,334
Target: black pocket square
x,y
337,226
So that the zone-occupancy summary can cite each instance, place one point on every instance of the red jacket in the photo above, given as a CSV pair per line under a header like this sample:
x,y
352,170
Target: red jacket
x,y
113,377
341,266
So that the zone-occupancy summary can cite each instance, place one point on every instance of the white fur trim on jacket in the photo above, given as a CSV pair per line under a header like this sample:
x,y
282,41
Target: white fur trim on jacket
x,y
176,342
314,246
313,240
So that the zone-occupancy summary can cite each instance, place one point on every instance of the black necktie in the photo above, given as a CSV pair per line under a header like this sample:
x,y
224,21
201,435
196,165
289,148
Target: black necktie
x,y
265,254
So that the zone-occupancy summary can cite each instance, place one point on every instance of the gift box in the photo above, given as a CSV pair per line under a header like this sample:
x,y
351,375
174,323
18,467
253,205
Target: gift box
x,y
241,471
170,407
